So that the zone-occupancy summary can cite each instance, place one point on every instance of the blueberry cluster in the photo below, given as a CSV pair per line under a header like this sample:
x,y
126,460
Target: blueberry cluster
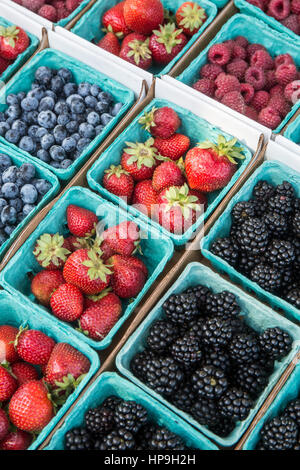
x,y
121,425
57,119
20,193
206,360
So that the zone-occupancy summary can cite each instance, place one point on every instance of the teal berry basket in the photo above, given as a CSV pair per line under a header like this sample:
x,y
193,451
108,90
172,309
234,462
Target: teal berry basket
x,y
251,10
197,129
14,312
81,72
257,315
108,384
41,172
22,58
220,3
290,391
156,248
275,173
293,131
89,26
243,25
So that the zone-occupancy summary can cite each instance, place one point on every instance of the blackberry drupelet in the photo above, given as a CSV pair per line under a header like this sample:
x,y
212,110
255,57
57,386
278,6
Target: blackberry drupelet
x,y
267,277
261,208
296,224
292,411
293,297
253,236
266,362
209,382
224,248
161,335
247,262
235,404
138,363
282,205
184,398
279,434
277,224
285,189
217,358
99,420
244,348
116,440
78,439
131,416
181,308
223,305
201,293
205,412
263,190
280,253
223,427
196,329
163,439
164,375
260,446
242,211
251,378
186,350
239,326
288,280
217,333
275,342
111,402
144,436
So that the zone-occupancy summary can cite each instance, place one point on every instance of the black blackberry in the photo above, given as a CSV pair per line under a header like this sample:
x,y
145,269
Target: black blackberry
x,y
244,348
293,297
235,404
239,326
285,189
297,445
267,277
263,190
163,439
217,358
242,211
222,305
288,280
131,416
261,208
297,204
292,411
201,293
223,427
253,236
196,329
260,446
78,439
275,342
181,308
282,205
217,333
144,436
186,350
111,402
279,434
205,412
296,224
280,253
184,398
247,262
164,375
99,420
120,439
209,382
251,378
161,335
138,363
224,248
277,224
265,362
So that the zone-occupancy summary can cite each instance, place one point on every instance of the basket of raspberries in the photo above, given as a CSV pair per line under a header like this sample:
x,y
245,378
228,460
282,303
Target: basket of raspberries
x,y
14,42
150,36
53,10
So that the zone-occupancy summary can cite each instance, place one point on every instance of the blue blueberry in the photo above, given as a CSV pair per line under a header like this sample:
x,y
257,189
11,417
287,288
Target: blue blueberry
x,y
59,133
10,174
19,126
57,153
55,165
77,106
66,163
19,181
82,143
30,117
76,136
95,90
64,119
35,85
12,136
84,89
72,127
47,103
70,89
8,229
27,172
5,162
21,95
80,118
65,74
37,93
106,118
32,131
87,130
29,104
42,186
102,107
2,117
93,118
51,94
8,215
4,127
3,237
105,96
69,144
91,101
44,75
27,144
27,209
12,99
3,203
72,97
47,141
29,194
99,129
10,190
17,203
13,111
116,108
47,119
57,84
41,132
77,154
61,107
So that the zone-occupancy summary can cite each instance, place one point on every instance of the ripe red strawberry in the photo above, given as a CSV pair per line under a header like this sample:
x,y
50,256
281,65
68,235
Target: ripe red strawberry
x,y
44,284
178,209
118,181
165,175
67,303
124,238
145,197
127,279
110,43
106,250
8,384
4,424
76,243
140,159
24,372
98,319
30,408
4,64
51,251
190,17
16,440
66,367
13,41
210,167
162,122
8,335
81,222
142,16
166,43
114,22
34,346
138,263
135,49
86,270
174,147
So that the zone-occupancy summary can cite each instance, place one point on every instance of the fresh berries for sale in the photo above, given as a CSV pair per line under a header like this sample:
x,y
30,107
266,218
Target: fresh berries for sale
x,y
13,42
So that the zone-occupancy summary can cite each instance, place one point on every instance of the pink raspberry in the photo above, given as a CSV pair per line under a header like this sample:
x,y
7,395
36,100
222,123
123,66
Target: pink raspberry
x,y
258,3
292,91
260,100
269,117
295,7
230,43
271,79
292,23
48,12
252,48
279,9
286,74
276,90
205,86
242,41
226,83
19,2
219,54
247,92
234,100
256,77
33,5
210,71
58,4
239,52
280,104
251,113
62,13
237,68
262,59
283,59
71,5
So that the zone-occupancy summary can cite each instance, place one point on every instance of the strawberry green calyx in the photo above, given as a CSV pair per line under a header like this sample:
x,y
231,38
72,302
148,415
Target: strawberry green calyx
x,y
168,36
64,389
49,248
109,29
139,50
193,17
142,153
225,148
21,329
100,296
148,119
97,268
117,171
11,33
169,17
179,196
